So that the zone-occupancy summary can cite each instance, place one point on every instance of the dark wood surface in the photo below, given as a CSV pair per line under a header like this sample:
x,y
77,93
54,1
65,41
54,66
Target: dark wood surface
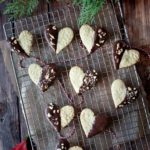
x,y
13,130
137,20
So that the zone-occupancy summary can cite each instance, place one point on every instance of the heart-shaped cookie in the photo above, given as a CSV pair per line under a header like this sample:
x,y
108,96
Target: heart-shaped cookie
x,y
65,145
42,76
58,39
124,56
60,117
82,81
92,39
26,41
15,47
93,124
121,94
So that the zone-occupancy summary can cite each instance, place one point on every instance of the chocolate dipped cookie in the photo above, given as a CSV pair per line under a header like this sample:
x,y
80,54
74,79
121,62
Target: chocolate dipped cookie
x,y
58,39
122,94
81,81
44,76
92,123
65,145
59,117
91,40
124,56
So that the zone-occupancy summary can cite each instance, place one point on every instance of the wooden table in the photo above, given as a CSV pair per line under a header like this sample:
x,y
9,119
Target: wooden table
x,y
137,20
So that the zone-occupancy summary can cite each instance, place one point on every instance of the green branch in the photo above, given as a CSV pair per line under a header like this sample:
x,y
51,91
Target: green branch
x,y
89,9
19,8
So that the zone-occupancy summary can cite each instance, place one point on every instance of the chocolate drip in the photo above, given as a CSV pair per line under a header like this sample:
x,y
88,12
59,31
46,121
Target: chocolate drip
x,y
131,96
119,49
48,76
101,36
15,47
63,145
51,35
53,115
89,81
100,125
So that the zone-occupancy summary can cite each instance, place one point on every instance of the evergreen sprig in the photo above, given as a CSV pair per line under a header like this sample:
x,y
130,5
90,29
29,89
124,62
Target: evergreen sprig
x,y
19,8
89,9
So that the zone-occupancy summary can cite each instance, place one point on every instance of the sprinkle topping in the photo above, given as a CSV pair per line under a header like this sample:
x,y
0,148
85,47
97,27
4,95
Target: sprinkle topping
x,y
54,116
131,96
15,47
48,76
89,81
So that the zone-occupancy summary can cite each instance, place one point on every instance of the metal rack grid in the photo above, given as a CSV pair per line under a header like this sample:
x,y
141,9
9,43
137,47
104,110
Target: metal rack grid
x,y
130,123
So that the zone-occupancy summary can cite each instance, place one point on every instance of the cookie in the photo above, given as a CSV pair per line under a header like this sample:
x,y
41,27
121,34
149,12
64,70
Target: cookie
x,y
92,39
75,148
81,81
25,40
123,95
65,145
16,47
42,76
60,117
93,124
58,39
124,56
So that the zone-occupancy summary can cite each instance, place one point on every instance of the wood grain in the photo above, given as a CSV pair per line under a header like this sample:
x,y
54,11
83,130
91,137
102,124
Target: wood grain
x,y
137,20
3,19
14,122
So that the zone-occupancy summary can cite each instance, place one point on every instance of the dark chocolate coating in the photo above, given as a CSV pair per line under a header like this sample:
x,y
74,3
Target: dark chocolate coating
x,y
102,122
89,81
53,115
48,76
118,51
15,47
63,145
101,36
51,35
131,96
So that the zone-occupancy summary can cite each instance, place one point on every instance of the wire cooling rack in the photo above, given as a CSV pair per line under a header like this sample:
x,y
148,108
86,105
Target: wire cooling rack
x,y
130,123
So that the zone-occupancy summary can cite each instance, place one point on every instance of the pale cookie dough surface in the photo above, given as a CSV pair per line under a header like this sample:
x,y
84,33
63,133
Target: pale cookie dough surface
x,y
26,40
88,36
87,118
118,90
129,58
35,72
65,36
76,75
75,148
66,114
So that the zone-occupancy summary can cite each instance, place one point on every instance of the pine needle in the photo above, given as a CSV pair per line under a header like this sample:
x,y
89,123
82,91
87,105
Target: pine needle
x,y
19,8
89,9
